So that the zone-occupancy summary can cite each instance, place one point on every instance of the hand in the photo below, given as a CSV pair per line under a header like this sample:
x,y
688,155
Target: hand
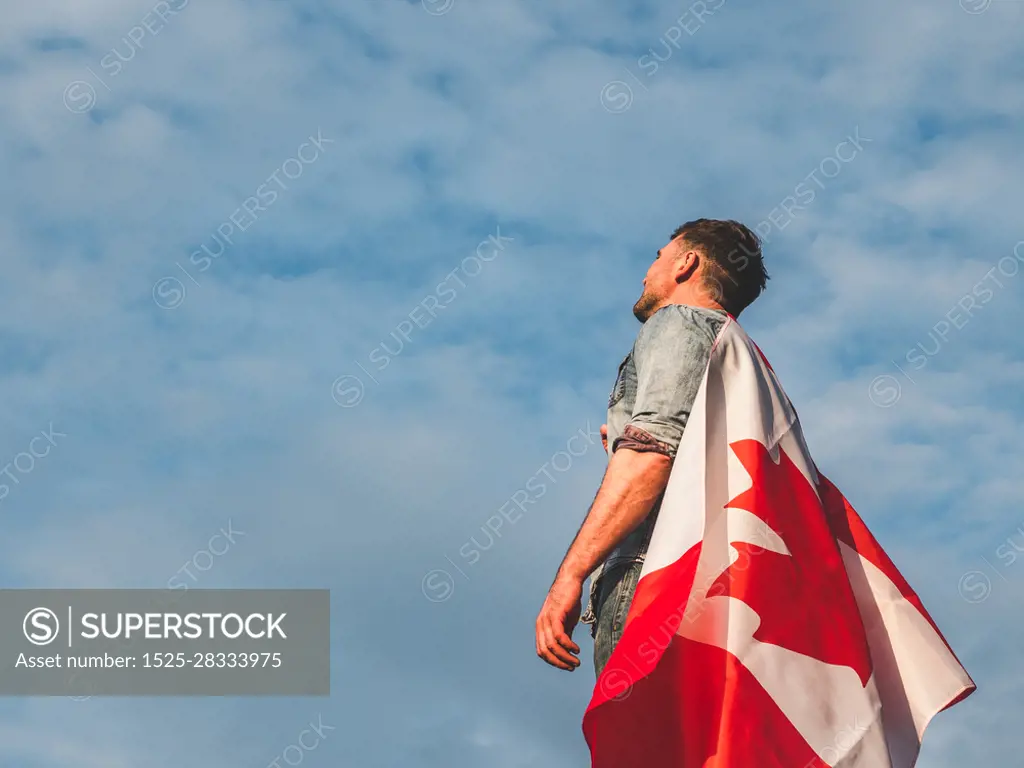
x,y
604,437
556,622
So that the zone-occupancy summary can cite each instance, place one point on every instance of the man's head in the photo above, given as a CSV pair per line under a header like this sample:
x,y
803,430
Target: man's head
x,y
707,263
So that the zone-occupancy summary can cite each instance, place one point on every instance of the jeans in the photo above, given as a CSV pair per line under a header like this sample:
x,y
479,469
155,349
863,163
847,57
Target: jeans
x,y
613,595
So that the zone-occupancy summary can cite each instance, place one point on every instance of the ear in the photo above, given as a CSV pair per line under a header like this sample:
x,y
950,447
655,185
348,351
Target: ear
x,y
686,263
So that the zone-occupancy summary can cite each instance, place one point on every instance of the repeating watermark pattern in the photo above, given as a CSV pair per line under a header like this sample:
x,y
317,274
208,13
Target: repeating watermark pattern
x,y
24,462
202,561
308,740
719,584
80,96
169,292
348,389
40,626
438,585
786,211
615,682
886,389
617,95
846,739
975,586
974,7
805,193
437,7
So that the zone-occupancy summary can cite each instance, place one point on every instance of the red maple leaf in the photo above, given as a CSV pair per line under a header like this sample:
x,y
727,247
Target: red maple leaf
x,y
804,599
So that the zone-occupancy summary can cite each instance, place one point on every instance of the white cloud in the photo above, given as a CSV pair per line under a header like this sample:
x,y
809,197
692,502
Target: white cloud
x,y
444,127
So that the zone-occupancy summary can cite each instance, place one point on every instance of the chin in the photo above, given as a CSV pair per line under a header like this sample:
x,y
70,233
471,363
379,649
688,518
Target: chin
x,y
646,306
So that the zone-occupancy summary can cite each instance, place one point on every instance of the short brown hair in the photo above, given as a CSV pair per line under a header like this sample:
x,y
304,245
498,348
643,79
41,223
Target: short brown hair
x,y
733,265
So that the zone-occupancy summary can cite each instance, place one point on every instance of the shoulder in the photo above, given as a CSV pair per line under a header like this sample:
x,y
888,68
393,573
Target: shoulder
x,y
682,320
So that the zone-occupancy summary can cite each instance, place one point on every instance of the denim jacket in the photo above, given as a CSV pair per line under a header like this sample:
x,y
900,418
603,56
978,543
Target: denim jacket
x,y
650,402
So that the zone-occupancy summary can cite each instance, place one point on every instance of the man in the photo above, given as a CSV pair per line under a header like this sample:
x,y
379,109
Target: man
x,y
709,270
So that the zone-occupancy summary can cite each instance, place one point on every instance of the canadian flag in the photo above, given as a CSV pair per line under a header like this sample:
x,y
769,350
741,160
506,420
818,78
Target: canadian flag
x,y
769,629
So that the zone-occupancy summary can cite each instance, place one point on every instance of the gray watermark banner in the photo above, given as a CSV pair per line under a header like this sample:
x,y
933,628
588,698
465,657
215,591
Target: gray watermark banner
x,y
152,642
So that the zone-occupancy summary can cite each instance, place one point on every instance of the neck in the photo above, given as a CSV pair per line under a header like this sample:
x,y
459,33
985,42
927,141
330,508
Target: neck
x,y
695,299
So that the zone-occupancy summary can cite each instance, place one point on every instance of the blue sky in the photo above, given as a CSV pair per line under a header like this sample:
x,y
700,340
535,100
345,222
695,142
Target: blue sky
x,y
583,133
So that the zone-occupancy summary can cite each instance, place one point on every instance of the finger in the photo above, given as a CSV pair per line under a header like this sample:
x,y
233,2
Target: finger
x,y
566,642
541,644
552,653
554,661
551,659
569,661
556,647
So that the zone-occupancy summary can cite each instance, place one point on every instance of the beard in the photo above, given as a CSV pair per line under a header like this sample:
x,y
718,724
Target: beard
x,y
646,306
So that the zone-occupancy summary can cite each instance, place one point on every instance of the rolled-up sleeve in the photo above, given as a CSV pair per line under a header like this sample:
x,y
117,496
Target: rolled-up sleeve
x,y
671,355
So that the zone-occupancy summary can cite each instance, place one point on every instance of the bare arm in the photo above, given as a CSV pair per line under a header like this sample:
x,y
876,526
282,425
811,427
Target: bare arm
x,y
632,484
